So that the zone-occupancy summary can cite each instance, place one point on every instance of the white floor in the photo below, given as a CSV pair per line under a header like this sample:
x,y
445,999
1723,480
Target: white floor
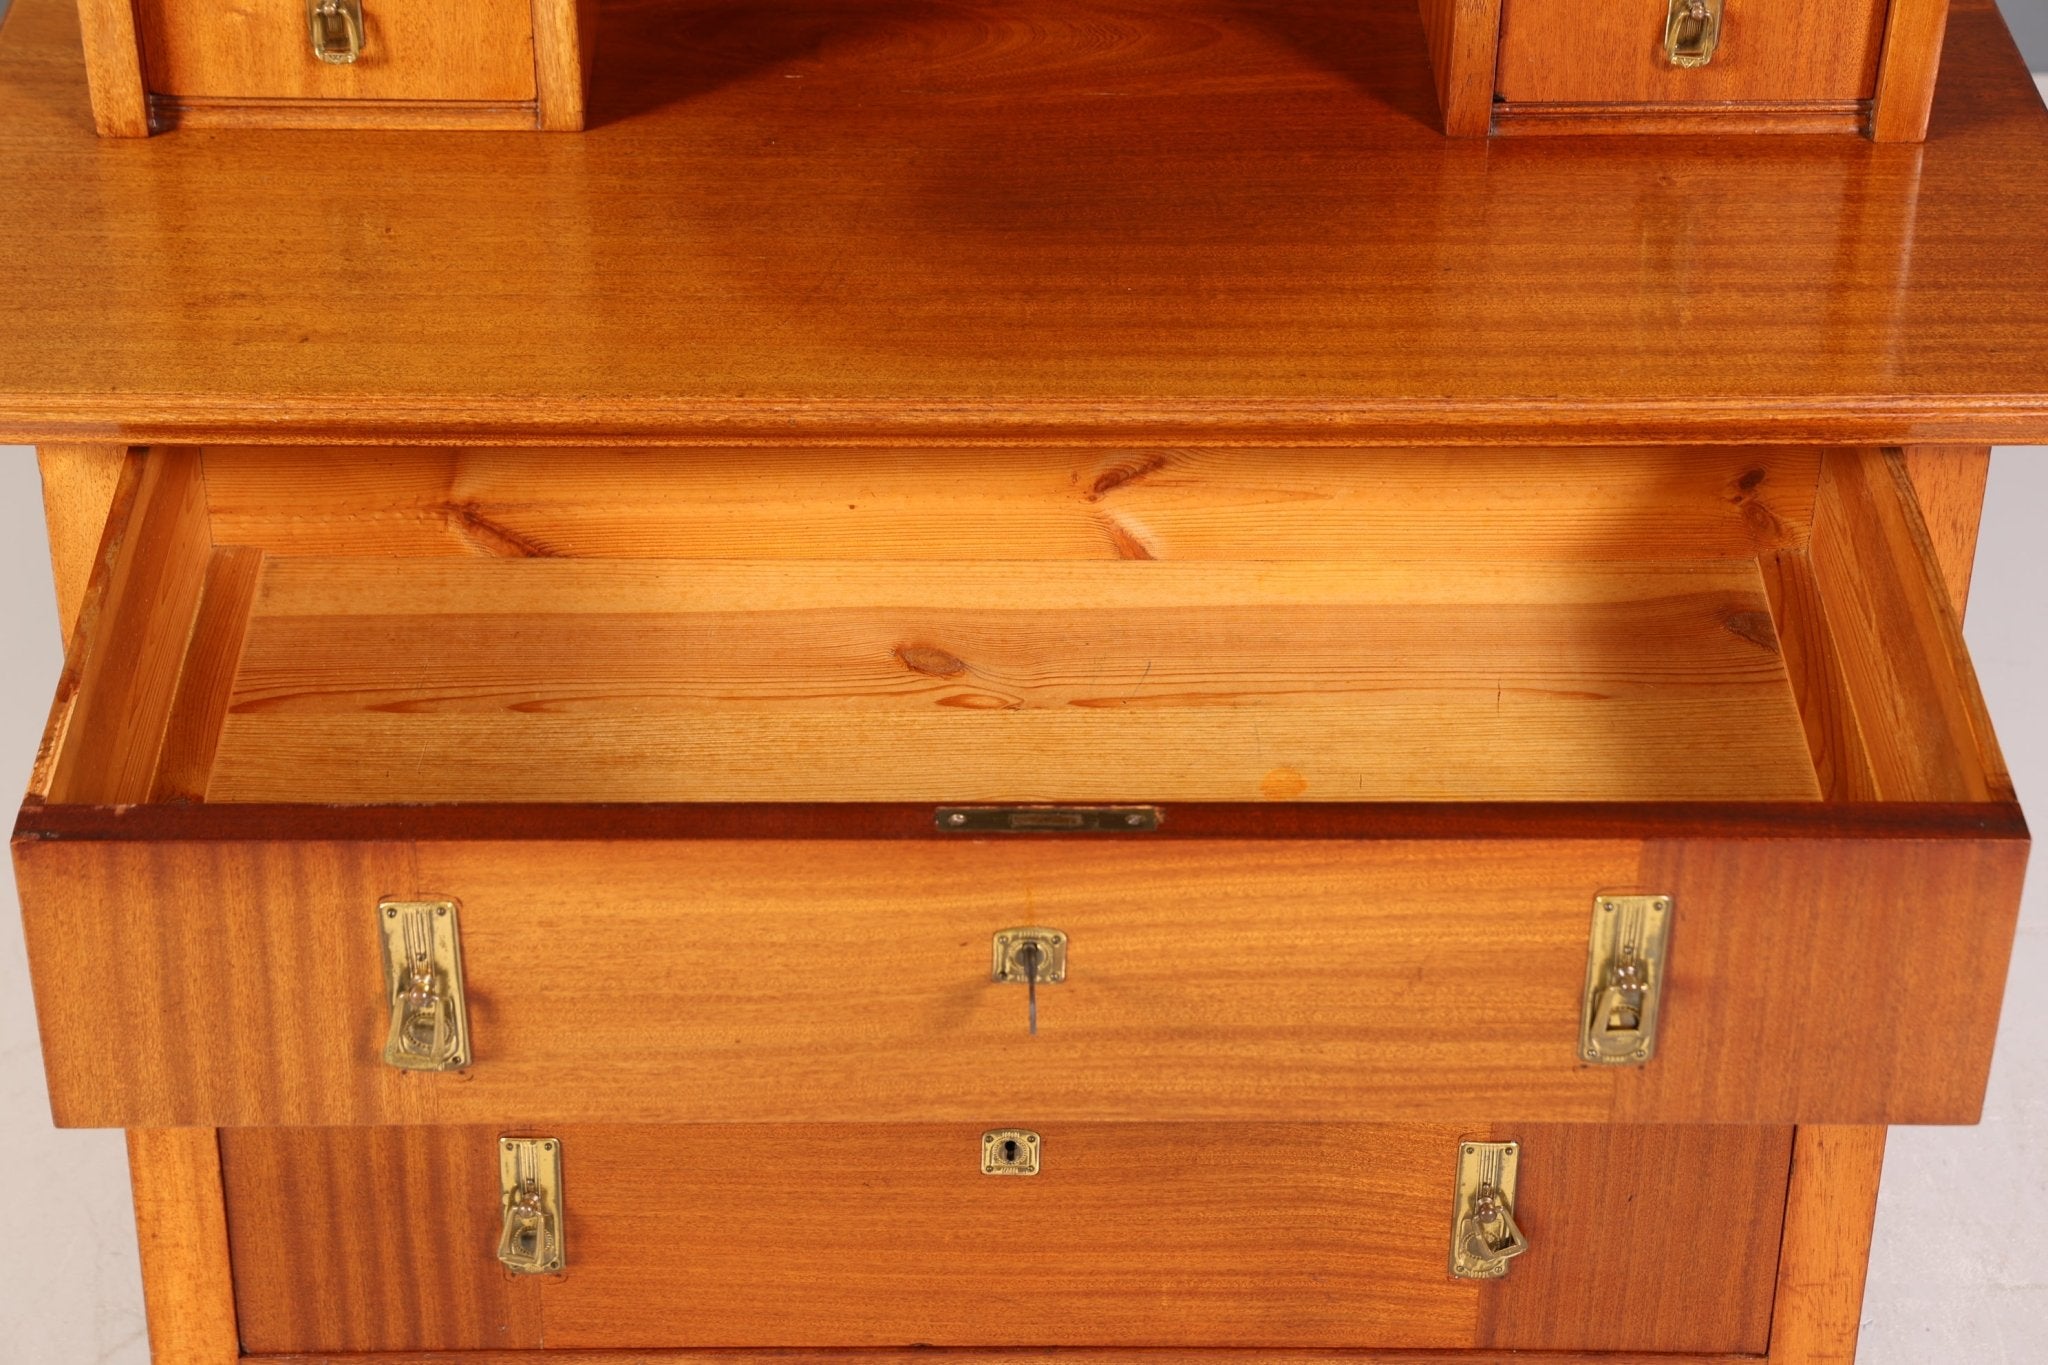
x,y
1957,1275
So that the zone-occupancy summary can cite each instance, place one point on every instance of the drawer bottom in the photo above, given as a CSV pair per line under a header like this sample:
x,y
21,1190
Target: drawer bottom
x,y
1130,1236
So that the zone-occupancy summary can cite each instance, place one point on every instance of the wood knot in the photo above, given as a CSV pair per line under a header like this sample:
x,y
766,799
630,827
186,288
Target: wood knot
x,y
1755,627
933,663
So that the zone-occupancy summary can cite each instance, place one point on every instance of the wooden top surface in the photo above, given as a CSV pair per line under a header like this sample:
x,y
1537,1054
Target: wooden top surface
x,y
1090,220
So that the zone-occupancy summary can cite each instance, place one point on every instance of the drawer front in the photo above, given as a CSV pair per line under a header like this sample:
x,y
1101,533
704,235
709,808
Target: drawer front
x,y
1180,1235
430,50
1613,51
661,979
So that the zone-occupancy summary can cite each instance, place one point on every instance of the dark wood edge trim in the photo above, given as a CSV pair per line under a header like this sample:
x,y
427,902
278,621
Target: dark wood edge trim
x,y
40,822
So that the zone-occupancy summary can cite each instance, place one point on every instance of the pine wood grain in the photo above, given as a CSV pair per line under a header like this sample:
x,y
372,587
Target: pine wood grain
x,y
915,504
1259,236
78,491
114,705
1914,33
1842,765
206,682
1178,1235
649,680
1919,714
1210,980
1599,1200
181,1227
1829,1211
373,1239
1948,485
1582,51
412,50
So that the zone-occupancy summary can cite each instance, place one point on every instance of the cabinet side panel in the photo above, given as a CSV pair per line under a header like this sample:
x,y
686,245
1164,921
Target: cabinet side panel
x,y
181,1225
1829,1212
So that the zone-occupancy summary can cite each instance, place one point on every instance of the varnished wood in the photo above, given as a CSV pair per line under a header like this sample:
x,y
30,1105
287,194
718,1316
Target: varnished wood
x,y
376,1239
78,489
1588,1191
206,682
1176,1235
1914,33
1948,484
1610,120
181,1225
1464,44
1612,51
911,505
113,67
116,698
1262,236
169,112
412,50
564,49
1829,1211
1189,994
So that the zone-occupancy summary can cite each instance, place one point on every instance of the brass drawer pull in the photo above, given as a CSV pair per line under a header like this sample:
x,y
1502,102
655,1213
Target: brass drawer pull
x,y
423,986
530,1189
1625,958
1693,32
336,27
1484,1234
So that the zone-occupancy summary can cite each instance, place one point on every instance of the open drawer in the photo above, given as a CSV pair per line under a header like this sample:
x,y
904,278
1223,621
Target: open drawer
x,y
1178,1236
1366,742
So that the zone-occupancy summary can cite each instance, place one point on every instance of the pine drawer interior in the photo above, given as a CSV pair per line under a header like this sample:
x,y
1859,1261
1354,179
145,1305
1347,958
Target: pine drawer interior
x,y
428,626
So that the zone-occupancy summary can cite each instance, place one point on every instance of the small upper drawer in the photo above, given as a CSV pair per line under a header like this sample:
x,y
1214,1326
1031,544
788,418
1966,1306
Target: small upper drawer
x,y
1618,52
409,50
672,733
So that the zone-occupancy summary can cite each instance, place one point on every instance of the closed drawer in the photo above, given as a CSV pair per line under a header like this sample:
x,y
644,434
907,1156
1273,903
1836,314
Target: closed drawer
x,y
1181,1235
411,50
672,731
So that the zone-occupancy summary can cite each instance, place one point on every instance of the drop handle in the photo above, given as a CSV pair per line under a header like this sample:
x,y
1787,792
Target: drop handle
x,y
336,30
1692,33
429,1029
1484,1233
1027,957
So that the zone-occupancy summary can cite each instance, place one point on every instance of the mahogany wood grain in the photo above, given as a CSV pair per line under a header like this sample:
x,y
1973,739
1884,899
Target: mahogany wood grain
x,y
121,682
113,67
1914,33
181,1227
1464,44
1260,236
910,505
78,491
1948,484
1214,981
1597,1199
374,1239
412,50
1919,714
1157,1236
564,48
1612,51
1830,1209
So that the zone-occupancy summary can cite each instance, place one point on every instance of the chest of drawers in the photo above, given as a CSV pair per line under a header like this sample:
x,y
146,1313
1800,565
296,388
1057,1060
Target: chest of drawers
x,y
1112,702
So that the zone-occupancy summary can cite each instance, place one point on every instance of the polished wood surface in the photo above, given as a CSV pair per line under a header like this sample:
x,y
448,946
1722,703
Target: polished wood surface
x,y
412,49
181,1228
1260,235
1176,1235
1583,51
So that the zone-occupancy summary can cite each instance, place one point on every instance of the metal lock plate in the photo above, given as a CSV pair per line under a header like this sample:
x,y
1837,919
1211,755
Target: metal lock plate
x,y
423,986
1484,1234
530,1192
1625,963
1010,966
1009,1151
1048,819
1692,32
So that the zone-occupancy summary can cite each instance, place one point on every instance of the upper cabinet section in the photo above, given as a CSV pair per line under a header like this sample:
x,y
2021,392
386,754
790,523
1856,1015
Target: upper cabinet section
x,y
1652,66
159,64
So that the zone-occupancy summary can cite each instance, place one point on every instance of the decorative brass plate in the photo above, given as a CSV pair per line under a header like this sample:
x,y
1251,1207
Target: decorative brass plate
x,y
1052,956
423,985
1484,1234
1048,819
530,1190
1009,1151
1625,960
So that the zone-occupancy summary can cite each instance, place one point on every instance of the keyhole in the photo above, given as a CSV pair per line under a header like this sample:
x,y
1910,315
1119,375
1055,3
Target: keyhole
x,y
1010,1150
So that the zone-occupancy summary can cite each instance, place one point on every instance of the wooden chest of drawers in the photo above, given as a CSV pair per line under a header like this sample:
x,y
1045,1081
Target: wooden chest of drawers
x,y
1447,656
